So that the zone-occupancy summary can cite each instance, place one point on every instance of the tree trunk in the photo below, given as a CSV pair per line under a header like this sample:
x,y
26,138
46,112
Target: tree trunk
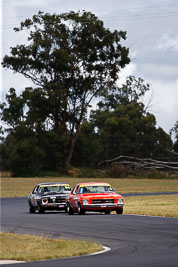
x,y
71,150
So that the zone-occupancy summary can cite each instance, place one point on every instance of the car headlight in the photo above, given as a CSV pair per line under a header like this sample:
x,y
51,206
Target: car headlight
x,y
85,201
120,201
44,201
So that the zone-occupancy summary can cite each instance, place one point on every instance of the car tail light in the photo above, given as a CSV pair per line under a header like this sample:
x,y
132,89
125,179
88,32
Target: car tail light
x,y
44,201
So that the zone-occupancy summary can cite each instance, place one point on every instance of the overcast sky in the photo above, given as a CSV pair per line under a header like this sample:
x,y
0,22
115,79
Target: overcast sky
x,y
152,38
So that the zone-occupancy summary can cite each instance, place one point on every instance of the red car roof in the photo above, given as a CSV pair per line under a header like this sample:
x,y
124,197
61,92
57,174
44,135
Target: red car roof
x,y
94,183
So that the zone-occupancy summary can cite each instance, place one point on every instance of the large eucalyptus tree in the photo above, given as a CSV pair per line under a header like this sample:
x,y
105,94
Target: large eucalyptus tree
x,y
71,58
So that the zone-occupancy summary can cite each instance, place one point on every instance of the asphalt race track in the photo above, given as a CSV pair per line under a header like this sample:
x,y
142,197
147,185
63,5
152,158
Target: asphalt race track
x,y
134,240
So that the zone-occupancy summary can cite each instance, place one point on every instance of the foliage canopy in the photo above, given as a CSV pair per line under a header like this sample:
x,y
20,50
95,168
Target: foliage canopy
x,y
72,58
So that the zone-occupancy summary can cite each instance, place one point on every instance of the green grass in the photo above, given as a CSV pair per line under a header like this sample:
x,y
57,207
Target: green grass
x,y
33,248
21,187
164,205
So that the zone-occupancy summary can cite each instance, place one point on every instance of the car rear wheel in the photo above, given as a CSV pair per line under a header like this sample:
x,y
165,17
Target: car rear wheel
x,y
69,210
119,211
107,211
80,210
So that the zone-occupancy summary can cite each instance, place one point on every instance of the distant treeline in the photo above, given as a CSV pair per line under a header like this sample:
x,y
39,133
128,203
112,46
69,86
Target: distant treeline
x,y
75,61
111,130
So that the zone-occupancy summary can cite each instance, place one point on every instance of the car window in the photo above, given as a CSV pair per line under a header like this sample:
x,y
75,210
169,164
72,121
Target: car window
x,y
81,190
64,189
74,190
43,190
78,190
35,190
54,189
95,189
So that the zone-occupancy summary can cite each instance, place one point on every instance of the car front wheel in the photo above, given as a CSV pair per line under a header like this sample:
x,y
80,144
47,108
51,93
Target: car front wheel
x,y
69,210
119,211
107,211
41,209
80,210
31,209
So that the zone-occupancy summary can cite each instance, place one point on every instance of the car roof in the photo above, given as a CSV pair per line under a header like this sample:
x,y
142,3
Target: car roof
x,y
94,183
52,183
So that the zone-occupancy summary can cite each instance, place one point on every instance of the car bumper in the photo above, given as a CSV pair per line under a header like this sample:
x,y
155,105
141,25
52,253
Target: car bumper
x,y
102,206
54,206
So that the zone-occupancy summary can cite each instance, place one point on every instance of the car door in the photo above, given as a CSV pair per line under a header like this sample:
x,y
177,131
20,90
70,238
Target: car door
x,y
71,195
33,196
74,198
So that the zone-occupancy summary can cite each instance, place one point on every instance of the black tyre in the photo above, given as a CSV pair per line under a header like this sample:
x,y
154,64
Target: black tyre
x,y
119,211
31,209
41,209
69,210
107,211
80,210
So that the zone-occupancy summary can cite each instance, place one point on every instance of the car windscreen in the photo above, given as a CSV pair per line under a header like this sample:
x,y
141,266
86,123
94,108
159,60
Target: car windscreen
x,y
95,189
54,189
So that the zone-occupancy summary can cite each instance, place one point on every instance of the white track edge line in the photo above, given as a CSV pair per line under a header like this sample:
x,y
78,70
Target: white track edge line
x,y
106,249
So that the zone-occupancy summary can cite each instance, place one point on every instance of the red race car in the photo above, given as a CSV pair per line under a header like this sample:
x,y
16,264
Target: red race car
x,y
94,197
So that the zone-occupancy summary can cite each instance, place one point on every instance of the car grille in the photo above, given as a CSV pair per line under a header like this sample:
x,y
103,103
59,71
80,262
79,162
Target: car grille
x,y
60,199
102,201
57,200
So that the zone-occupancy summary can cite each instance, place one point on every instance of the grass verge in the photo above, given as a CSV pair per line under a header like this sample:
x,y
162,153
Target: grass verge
x,y
33,248
164,205
19,187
